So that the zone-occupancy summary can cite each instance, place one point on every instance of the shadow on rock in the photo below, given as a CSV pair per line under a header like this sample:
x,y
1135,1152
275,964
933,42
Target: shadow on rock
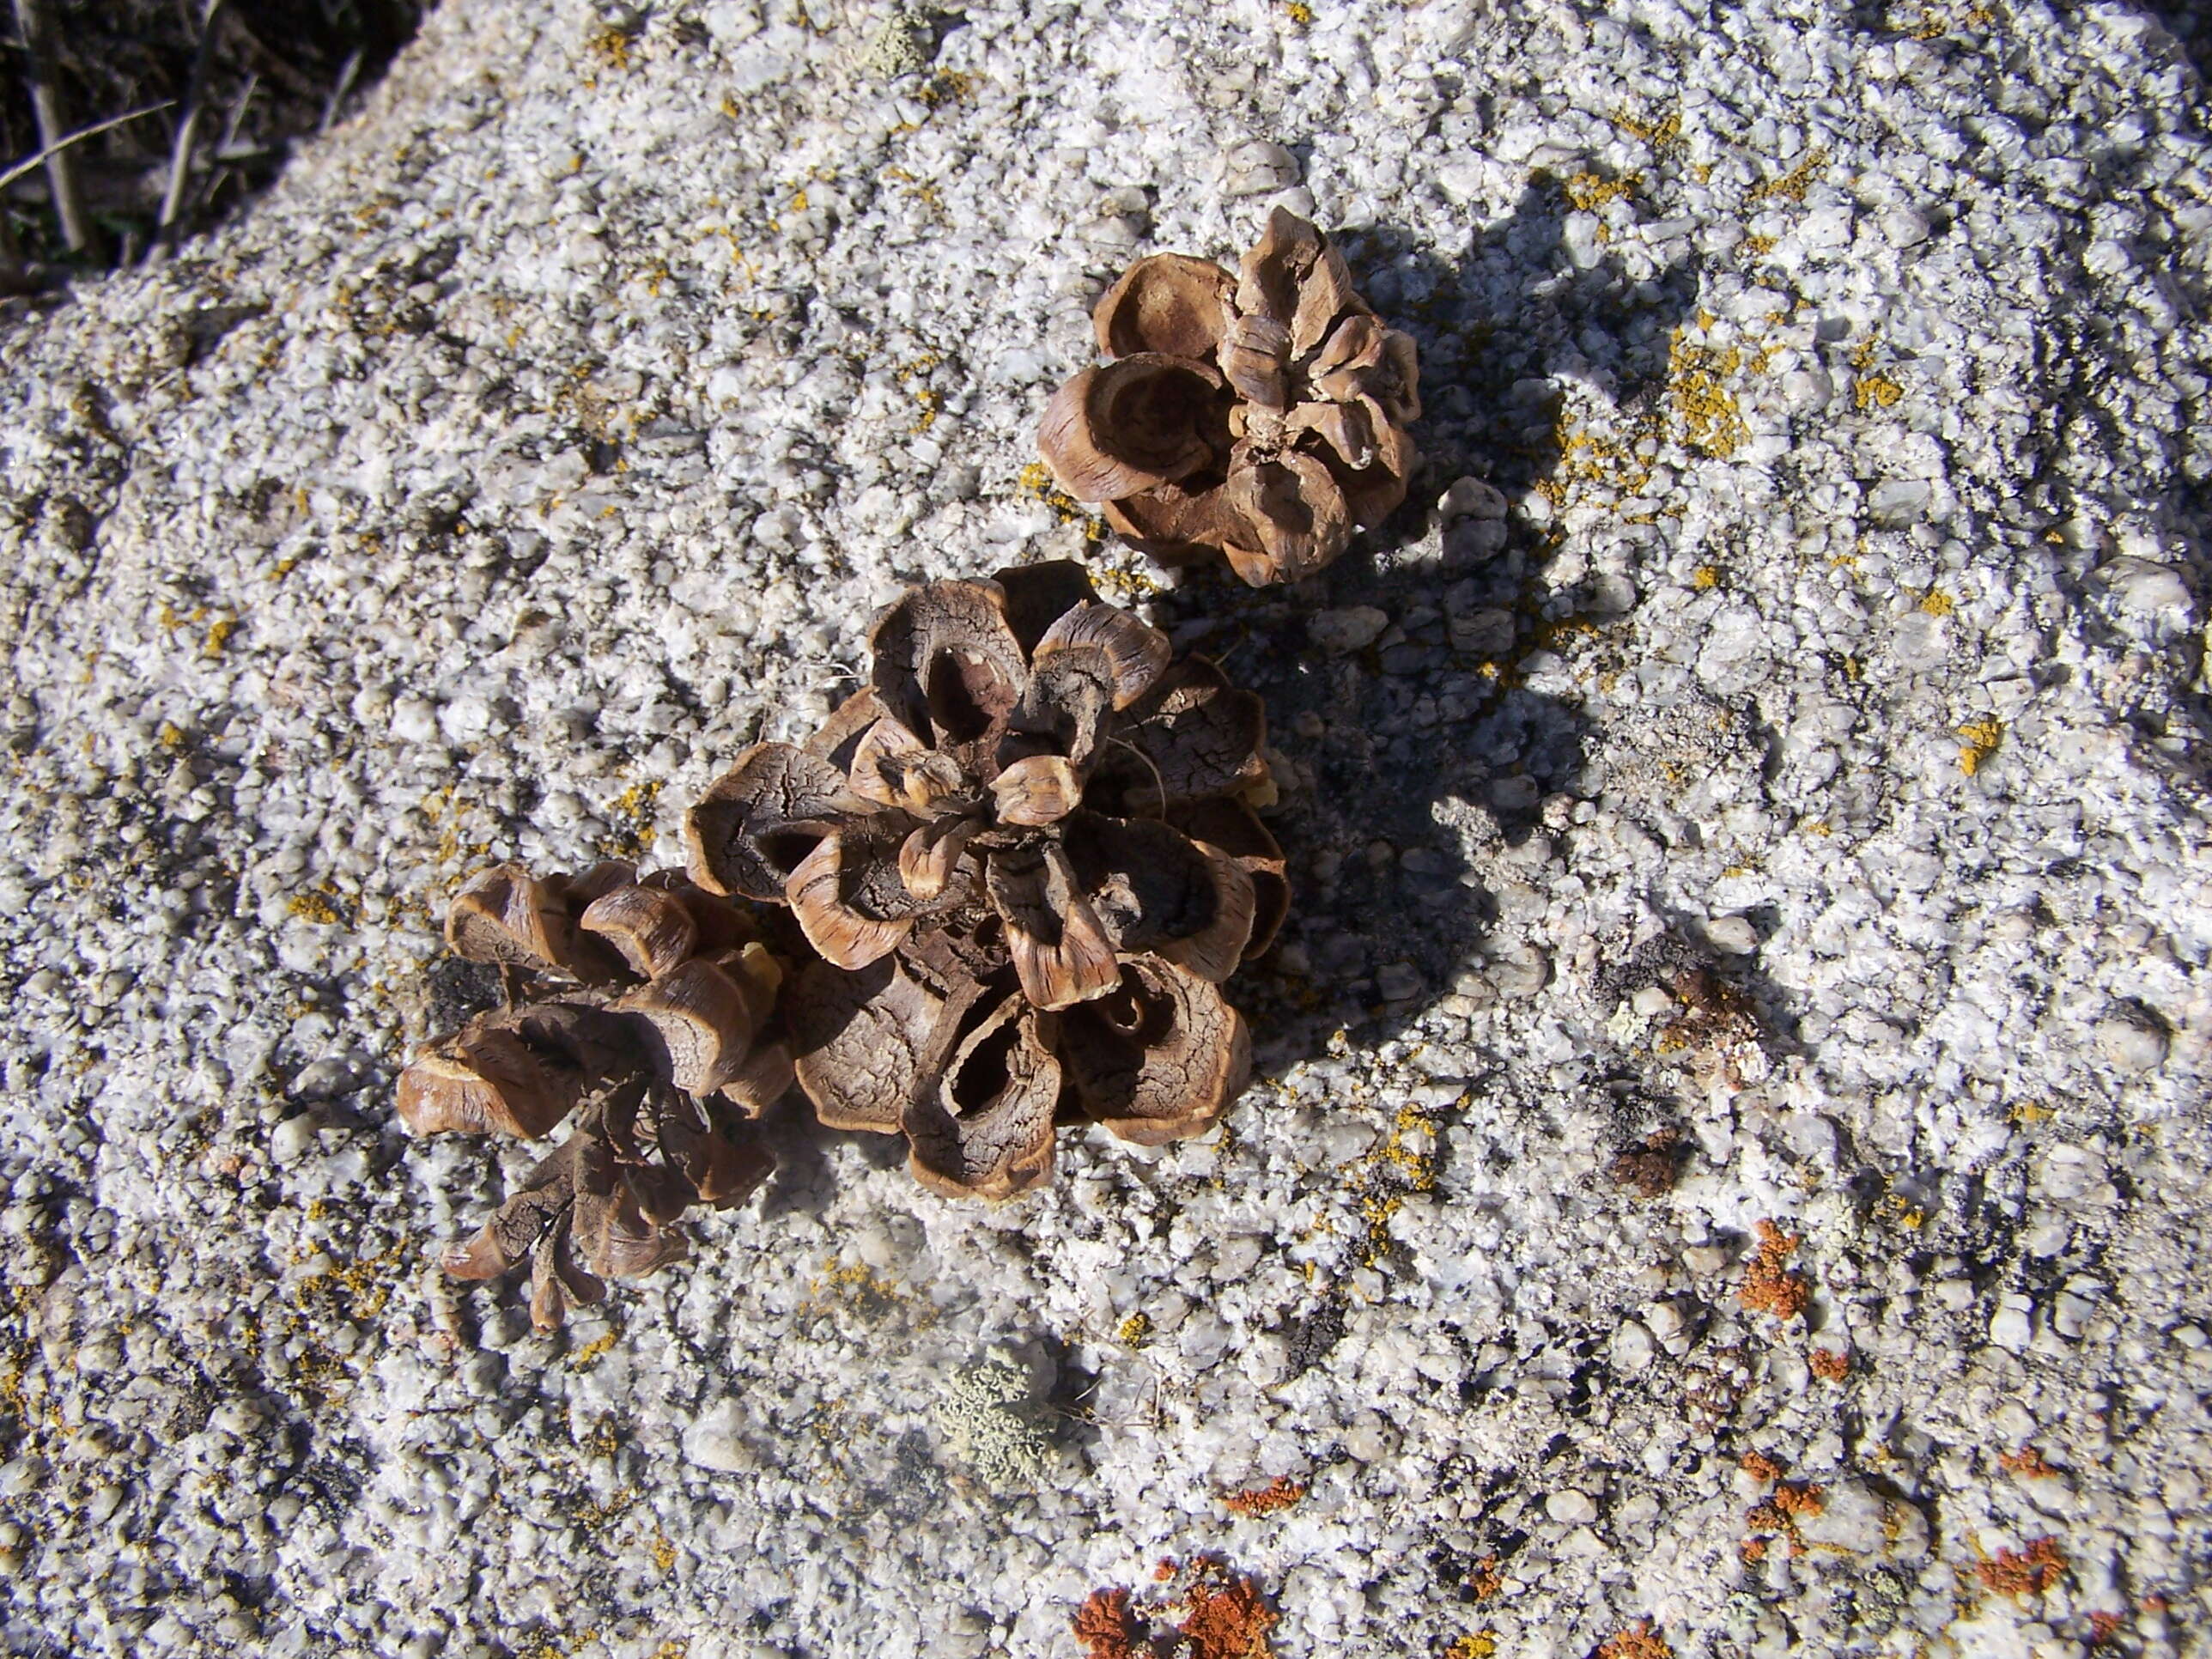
x,y
1394,680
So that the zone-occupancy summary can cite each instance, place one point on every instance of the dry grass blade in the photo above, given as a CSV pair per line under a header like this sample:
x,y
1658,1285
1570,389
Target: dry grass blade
x,y
346,73
31,164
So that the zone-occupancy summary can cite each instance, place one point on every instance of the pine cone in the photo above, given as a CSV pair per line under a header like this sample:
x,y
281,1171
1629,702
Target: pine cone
x,y
1263,414
652,1021
1025,857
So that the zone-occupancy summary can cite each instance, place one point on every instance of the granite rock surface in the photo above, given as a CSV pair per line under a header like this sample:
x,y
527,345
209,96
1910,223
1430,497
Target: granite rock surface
x,y
1729,1149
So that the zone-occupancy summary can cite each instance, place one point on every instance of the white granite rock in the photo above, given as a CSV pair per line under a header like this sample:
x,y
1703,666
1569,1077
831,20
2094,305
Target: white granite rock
x,y
1808,558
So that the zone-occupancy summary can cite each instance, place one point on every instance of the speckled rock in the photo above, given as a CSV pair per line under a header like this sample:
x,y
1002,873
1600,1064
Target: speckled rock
x,y
1746,995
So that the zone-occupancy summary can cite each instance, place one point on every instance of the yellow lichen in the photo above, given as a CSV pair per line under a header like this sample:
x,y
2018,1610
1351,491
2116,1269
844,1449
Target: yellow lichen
x,y
1873,392
1712,424
925,191
1660,134
1792,185
930,399
589,1355
1475,1644
365,1285
1902,1212
632,814
1132,1332
313,906
856,1287
1588,191
1705,577
1036,480
947,87
1129,586
1933,24
611,47
1393,1172
1936,602
1983,736
598,1511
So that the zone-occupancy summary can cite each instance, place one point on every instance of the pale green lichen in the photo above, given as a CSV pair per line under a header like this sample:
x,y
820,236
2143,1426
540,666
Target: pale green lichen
x,y
991,1424
902,43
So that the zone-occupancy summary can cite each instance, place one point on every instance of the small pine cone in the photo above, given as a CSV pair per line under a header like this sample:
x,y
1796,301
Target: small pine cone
x,y
649,1016
1026,855
1262,414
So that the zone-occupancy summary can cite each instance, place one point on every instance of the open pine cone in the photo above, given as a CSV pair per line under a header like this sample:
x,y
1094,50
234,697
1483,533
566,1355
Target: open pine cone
x,y
1025,855
650,1018
1262,414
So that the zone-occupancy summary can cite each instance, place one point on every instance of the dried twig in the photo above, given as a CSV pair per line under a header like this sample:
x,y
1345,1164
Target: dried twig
x,y
180,158
78,233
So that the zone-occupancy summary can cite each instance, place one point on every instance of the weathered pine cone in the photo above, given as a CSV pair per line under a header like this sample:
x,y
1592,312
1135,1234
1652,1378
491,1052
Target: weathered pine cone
x,y
1262,414
1026,857
650,1017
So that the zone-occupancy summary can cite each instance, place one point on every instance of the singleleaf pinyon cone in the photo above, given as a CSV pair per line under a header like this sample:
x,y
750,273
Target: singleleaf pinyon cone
x,y
1263,414
1027,854
650,1016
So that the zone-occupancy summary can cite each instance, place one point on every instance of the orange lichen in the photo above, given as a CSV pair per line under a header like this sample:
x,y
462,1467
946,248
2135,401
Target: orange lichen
x,y
1779,1516
1278,1494
1223,1616
1830,1365
1800,1500
2029,1572
1768,1286
1228,1619
1104,1626
1759,1466
2027,1463
2104,1627
1484,1580
1639,1641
